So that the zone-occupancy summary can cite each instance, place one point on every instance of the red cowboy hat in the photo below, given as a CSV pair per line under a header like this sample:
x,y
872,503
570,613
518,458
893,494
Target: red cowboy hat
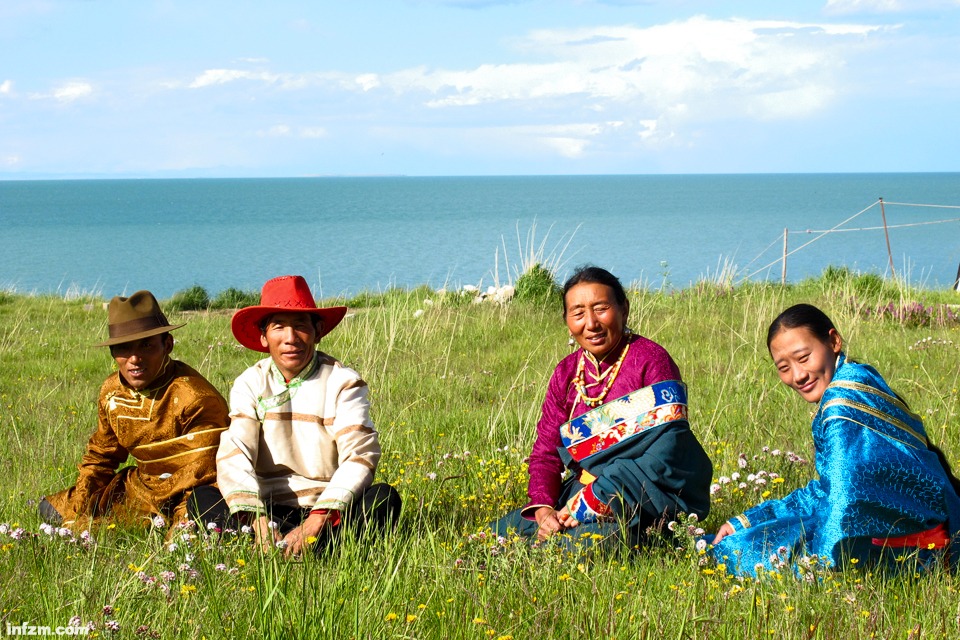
x,y
285,294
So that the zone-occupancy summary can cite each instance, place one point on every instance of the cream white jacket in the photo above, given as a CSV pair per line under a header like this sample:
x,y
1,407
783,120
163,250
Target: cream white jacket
x,y
307,443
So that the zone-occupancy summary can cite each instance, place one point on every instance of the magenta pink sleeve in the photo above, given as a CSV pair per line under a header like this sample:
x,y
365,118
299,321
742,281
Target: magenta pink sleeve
x,y
545,467
656,364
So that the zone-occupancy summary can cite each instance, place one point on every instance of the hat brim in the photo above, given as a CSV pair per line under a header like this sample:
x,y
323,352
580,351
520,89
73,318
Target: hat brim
x,y
246,322
140,335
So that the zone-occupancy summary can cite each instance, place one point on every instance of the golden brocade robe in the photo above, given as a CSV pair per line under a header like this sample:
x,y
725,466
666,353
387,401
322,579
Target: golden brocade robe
x,y
172,431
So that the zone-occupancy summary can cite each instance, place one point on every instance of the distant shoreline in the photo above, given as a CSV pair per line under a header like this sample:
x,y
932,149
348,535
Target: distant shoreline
x,y
470,291
105,177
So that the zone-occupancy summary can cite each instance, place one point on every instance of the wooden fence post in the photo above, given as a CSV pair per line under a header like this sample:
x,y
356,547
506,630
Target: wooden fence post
x,y
783,269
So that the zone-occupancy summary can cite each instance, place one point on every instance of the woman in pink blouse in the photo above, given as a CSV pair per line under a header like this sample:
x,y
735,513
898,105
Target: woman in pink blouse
x,y
615,416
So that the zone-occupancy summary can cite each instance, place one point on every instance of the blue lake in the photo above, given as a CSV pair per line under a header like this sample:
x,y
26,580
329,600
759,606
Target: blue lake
x,y
347,235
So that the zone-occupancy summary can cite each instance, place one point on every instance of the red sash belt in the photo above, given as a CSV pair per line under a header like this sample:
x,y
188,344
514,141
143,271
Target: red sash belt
x,y
937,537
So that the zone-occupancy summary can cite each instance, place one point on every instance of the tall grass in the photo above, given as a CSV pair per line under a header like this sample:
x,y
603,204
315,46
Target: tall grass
x,y
456,392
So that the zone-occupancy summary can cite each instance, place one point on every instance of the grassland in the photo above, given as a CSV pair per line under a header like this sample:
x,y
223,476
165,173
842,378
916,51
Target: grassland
x,y
456,392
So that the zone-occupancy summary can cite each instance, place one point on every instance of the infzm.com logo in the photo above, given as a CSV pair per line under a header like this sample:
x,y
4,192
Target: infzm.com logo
x,y
27,629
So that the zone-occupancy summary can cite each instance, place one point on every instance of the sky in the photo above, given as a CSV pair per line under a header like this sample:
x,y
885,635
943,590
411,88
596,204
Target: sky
x,y
180,88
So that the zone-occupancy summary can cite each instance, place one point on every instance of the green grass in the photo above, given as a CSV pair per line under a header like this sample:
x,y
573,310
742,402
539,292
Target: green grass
x,y
456,392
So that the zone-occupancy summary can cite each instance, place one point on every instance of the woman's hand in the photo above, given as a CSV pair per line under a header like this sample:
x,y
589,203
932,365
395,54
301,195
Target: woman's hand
x,y
725,529
548,521
564,517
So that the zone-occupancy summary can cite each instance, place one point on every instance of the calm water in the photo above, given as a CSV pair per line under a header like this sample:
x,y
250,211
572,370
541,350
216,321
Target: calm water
x,y
352,234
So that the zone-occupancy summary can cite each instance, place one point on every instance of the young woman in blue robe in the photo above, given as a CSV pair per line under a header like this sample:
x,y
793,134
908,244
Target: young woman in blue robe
x,y
885,495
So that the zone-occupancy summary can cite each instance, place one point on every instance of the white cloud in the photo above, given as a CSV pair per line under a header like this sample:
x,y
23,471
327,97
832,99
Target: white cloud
x,y
287,131
368,81
10,160
863,6
276,131
223,76
568,140
6,87
791,102
647,129
313,132
287,81
567,147
847,7
67,92
660,85
777,69
715,69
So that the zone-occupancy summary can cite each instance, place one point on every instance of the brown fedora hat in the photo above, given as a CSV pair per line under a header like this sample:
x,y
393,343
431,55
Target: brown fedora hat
x,y
285,294
136,317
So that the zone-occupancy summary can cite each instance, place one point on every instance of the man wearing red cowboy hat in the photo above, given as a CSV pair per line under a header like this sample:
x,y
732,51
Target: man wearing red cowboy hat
x,y
156,409
301,450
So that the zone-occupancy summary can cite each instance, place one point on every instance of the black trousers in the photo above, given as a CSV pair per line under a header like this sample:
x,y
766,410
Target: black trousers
x,y
374,512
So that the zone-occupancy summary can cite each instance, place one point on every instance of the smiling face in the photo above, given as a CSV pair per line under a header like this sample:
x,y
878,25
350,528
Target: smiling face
x,y
804,362
140,362
291,339
594,318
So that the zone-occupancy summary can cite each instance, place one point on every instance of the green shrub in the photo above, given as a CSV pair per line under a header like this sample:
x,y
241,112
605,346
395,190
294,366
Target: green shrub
x,y
869,284
537,284
193,299
834,275
234,298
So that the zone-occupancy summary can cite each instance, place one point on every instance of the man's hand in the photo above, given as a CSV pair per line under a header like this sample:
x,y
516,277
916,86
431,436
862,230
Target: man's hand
x,y
299,538
266,535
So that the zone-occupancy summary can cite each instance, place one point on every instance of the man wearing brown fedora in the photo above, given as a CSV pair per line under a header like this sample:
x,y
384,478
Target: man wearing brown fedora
x,y
298,460
159,411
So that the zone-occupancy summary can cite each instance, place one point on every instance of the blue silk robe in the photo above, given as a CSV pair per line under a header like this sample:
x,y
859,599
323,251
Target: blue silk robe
x,y
877,479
